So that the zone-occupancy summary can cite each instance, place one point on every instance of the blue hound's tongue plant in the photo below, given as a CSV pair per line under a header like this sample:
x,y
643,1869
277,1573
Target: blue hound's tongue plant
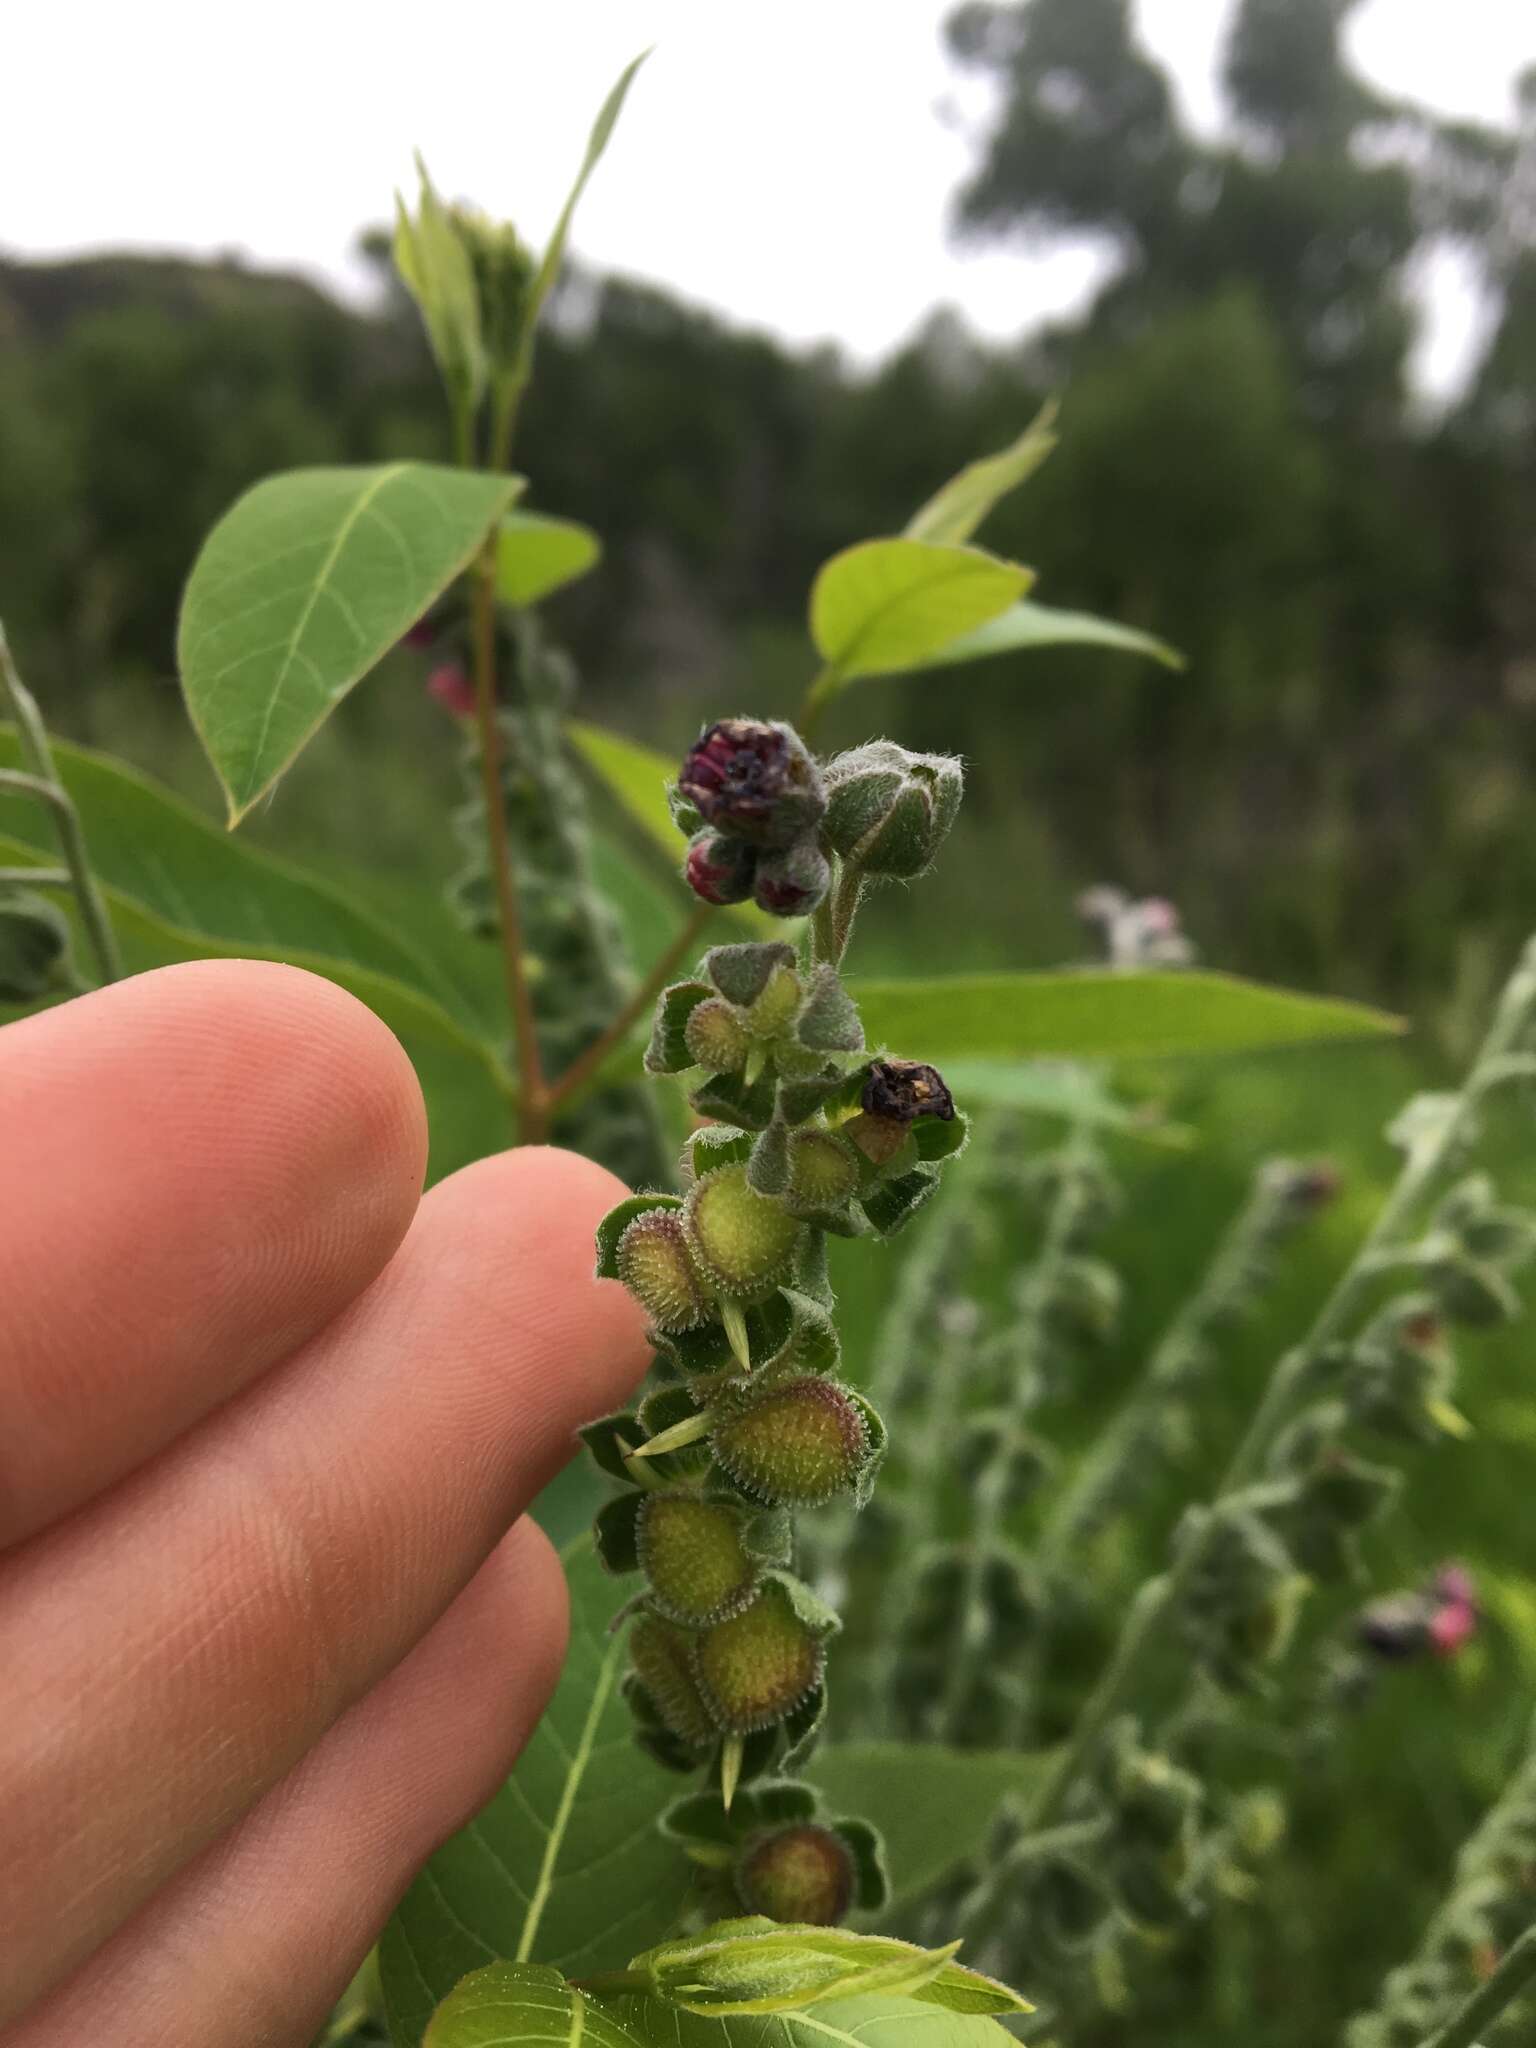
x,y
807,1134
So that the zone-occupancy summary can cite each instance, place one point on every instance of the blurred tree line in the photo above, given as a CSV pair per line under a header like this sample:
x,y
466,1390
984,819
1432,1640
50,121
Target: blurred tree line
x,y
1336,789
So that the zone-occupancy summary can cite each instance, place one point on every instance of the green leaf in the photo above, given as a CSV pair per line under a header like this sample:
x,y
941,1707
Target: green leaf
x,y
1102,1014
1027,625
758,1965
536,554
955,511
554,252
933,1806
304,584
510,2003
567,1864
1058,1088
872,2021
436,270
177,888
888,605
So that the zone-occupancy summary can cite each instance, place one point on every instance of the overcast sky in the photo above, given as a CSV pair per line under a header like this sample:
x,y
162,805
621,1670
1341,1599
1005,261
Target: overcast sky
x,y
788,163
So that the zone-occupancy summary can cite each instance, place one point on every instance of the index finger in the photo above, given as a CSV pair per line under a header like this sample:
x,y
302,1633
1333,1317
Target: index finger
x,y
199,1169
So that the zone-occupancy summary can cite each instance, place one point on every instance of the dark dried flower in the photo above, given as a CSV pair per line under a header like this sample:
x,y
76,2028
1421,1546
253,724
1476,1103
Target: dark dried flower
x,y
904,1090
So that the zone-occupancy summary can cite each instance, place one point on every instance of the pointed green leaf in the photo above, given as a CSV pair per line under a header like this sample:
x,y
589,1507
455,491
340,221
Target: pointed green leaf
x,y
1026,625
955,511
554,250
435,269
888,605
302,587
873,2021
567,1864
536,555
522,2005
1102,1014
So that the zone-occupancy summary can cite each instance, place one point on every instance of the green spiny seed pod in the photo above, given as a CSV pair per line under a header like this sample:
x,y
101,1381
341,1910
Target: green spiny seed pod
x,y
774,1010
823,1168
692,1552
662,1655
716,1035
757,1666
804,1875
656,1265
743,1242
795,1444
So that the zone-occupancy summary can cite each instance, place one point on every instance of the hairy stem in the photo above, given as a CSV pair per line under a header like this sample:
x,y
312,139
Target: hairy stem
x,y
1515,1971
1122,1457
43,782
1160,1597
989,1486
533,1104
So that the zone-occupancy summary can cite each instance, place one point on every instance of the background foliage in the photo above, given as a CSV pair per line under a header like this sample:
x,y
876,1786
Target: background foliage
x,y
1334,789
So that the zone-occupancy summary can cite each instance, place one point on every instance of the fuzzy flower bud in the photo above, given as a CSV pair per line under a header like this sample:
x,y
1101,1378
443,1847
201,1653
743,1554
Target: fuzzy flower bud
x,y
655,1264
792,882
797,1443
716,1036
743,1242
691,1551
803,1875
757,1666
662,1655
754,781
890,809
719,870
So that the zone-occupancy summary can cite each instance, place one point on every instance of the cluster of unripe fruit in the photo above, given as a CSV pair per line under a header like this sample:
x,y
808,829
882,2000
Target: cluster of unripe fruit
x,y
749,1418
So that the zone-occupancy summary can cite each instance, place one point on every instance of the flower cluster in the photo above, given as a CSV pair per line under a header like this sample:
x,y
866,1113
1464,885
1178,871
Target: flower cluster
x,y
749,1418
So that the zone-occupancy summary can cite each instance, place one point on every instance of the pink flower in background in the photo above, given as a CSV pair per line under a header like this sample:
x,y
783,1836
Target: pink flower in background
x,y
450,686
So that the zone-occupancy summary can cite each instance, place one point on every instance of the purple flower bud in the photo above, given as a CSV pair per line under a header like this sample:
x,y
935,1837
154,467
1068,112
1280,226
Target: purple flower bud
x,y
718,869
753,780
422,634
904,1090
450,686
1454,1585
793,882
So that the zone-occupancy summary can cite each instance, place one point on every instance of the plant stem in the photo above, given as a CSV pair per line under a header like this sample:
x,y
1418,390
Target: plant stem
x,y
1160,1596
533,1104
1516,1969
989,1486
587,1064
43,782
1116,1465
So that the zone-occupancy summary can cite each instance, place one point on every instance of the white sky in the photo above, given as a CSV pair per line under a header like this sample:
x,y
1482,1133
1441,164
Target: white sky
x,y
788,163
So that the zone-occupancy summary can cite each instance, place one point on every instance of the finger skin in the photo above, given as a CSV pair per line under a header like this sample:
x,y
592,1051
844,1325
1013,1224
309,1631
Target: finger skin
x,y
254,1942
199,1168
170,1652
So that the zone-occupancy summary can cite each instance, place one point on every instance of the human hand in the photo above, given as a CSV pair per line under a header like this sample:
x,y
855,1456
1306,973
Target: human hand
x,y
266,1419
